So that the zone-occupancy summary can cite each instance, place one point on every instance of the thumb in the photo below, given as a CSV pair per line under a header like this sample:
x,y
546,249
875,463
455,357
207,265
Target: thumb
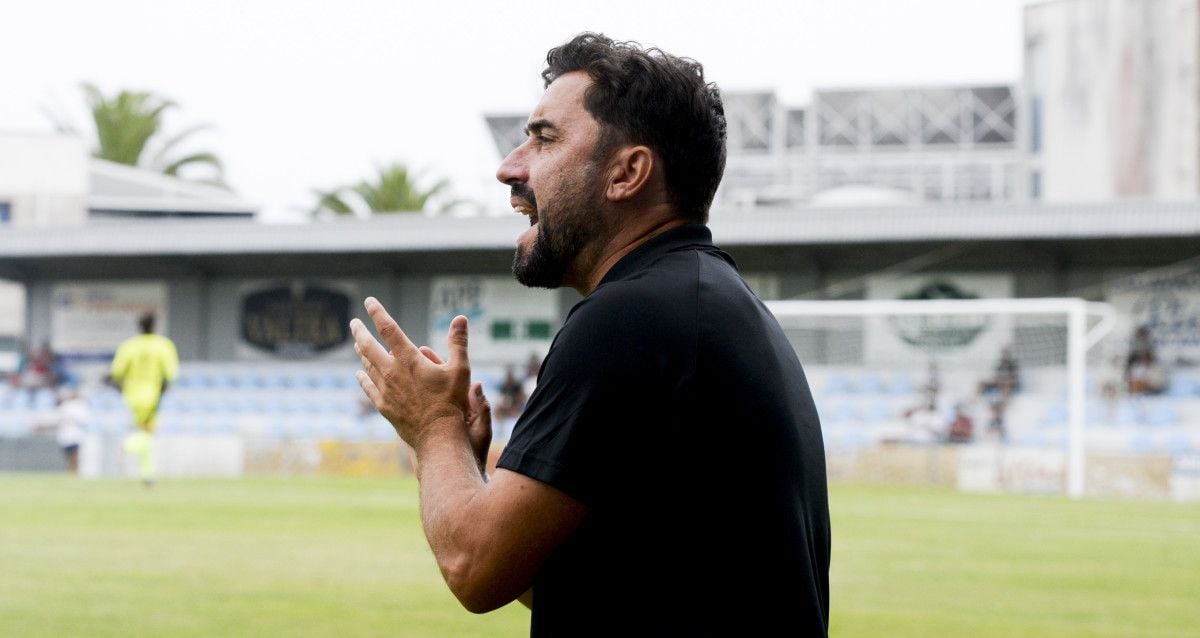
x,y
457,341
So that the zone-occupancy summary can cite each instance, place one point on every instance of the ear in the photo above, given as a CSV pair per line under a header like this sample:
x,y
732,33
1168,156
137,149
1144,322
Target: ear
x,y
629,172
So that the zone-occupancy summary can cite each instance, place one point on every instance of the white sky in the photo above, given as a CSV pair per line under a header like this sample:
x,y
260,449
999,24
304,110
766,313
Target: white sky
x,y
307,94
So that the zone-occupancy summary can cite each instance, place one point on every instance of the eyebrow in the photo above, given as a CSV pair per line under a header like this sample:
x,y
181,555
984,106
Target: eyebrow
x,y
537,126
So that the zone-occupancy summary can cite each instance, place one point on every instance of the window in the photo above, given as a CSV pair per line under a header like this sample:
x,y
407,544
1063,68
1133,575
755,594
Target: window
x,y
502,330
537,329
5,212
1035,125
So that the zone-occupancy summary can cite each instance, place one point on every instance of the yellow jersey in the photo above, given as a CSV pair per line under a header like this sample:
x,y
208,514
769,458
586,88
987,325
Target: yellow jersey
x,y
141,366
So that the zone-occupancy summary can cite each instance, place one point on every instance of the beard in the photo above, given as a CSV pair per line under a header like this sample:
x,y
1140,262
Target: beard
x,y
564,232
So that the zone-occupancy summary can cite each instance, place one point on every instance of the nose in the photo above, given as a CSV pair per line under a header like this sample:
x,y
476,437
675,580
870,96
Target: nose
x,y
514,169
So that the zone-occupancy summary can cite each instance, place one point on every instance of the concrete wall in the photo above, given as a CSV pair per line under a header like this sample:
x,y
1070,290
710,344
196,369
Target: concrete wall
x,y
1116,84
44,178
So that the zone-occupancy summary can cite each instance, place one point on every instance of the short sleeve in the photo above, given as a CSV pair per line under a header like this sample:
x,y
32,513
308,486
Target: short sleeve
x,y
601,393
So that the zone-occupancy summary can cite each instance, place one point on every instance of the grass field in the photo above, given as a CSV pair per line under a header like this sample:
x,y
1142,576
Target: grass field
x,y
346,557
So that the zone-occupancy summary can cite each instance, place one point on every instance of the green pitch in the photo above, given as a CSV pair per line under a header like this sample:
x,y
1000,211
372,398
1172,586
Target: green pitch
x,y
346,557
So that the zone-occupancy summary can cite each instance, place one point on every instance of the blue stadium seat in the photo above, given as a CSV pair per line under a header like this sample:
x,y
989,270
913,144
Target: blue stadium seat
x,y
870,384
902,384
844,412
1055,414
1161,414
44,399
275,381
878,411
1031,439
1141,443
1183,385
1129,413
1180,444
838,384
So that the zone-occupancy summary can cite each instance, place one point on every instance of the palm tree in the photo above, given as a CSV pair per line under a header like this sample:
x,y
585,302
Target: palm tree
x,y
394,190
129,124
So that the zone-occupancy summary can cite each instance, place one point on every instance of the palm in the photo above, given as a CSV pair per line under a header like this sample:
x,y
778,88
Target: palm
x,y
478,416
479,425
393,190
130,123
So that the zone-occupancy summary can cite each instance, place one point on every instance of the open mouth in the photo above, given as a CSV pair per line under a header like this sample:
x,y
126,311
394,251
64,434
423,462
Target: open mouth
x,y
525,209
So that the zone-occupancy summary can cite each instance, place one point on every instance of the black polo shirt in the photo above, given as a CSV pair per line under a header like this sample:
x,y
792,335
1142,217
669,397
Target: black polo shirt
x,y
672,405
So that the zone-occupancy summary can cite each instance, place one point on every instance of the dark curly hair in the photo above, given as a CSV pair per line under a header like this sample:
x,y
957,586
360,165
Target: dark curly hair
x,y
647,96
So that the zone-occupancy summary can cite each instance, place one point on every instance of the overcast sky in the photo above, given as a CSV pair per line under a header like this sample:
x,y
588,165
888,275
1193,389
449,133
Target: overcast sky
x,y
307,95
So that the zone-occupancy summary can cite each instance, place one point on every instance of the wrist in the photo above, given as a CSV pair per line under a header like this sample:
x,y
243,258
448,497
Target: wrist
x,y
441,430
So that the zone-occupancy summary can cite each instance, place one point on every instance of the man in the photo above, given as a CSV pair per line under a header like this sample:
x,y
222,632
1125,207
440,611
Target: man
x,y
142,368
667,476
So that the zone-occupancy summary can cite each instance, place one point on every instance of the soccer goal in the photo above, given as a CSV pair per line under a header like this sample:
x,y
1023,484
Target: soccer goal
x,y
1019,367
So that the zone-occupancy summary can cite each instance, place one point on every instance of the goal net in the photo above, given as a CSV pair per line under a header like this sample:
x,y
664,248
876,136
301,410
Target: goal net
x,y
992,374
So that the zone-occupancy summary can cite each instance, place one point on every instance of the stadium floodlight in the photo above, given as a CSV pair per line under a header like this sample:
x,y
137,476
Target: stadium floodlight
x,y
1051,334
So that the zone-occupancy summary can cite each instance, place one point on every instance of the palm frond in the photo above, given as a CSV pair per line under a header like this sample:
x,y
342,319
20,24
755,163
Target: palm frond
x,y
331,201
164,151
204,158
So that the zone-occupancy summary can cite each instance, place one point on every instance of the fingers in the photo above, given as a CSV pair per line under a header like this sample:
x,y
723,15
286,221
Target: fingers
x,y
368,349
480,406
430,354
389,331
457,341
368,387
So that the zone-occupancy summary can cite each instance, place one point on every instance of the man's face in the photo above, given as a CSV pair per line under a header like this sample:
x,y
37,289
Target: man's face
x,y
555,180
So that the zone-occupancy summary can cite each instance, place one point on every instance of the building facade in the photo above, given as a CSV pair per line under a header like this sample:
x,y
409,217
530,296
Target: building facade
x,y
1112,89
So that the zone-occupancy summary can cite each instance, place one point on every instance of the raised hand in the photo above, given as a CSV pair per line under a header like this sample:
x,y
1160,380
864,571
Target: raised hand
x,y
417,394
478,416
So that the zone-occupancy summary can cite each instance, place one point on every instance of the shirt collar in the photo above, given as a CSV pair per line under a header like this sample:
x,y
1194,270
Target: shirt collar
x,y
688,236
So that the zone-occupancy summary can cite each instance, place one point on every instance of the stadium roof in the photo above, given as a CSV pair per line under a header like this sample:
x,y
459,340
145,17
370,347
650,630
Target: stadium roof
x,y
414,242
120,190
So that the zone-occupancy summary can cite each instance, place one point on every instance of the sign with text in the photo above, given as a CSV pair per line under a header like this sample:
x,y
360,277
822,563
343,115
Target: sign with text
x,y
90,319
904,338
509,322
295,321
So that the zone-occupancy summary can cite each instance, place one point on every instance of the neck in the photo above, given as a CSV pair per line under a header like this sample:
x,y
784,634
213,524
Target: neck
x,y
622,243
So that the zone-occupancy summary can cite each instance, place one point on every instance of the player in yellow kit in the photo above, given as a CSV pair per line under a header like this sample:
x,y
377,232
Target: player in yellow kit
x,y
143,367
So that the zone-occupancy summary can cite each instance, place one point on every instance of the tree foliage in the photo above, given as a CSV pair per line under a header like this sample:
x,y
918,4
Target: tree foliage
x,y
129,130
393,189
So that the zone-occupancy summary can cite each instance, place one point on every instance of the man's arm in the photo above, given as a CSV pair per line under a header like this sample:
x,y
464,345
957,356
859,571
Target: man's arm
x,y
489,538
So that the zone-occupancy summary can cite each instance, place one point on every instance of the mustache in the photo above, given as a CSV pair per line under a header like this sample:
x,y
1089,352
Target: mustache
x,y
522,191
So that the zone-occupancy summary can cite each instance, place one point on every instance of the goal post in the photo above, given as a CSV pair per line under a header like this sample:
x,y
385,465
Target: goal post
x,y
1055,332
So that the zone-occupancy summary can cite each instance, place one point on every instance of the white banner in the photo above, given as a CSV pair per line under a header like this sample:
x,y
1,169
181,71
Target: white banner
x,y
1168,306
967,338
92,318
509,322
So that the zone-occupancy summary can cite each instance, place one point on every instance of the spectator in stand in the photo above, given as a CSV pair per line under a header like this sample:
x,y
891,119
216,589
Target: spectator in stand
x,y
933,384
924,424
512,395
961,428
40,369
996,425
1144,375
999,389
532,367
1006,380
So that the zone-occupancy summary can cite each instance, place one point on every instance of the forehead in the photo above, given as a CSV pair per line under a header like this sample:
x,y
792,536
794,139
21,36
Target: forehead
x,y
562,103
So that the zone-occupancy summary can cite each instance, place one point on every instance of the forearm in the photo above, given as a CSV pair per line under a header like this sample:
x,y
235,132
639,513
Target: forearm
x,y
454,518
